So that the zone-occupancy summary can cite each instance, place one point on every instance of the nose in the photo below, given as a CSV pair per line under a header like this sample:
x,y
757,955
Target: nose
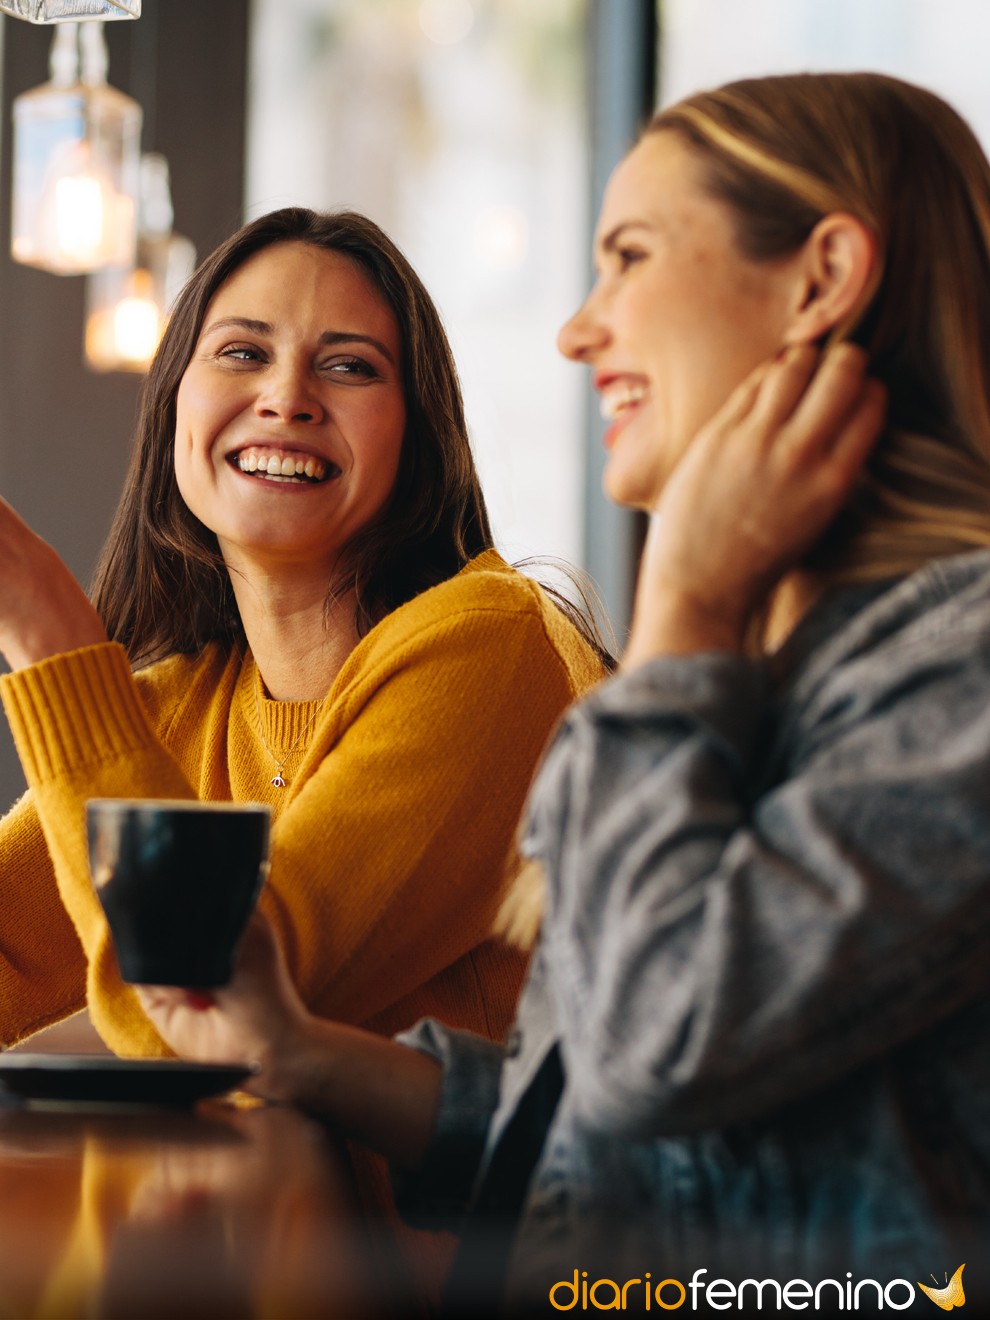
x,y
584,334
289,394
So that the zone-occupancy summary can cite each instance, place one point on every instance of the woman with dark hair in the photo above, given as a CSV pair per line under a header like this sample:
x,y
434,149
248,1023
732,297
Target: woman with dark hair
x,y
299,604
162,586
751,1055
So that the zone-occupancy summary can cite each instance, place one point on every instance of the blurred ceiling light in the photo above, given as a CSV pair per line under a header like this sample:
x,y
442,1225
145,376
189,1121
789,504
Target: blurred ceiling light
x,y
501,237
446,21
76,159
65,11
128,306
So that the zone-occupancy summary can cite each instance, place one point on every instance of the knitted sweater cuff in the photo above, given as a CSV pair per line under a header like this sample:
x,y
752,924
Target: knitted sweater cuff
x,y
73,709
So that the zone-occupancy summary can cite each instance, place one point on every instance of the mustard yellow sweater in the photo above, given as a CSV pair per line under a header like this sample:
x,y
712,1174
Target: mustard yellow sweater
x,y
389,843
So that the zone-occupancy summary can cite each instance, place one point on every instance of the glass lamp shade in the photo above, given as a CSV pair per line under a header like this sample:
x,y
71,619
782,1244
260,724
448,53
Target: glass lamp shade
x,y
63,11
76,168
128,307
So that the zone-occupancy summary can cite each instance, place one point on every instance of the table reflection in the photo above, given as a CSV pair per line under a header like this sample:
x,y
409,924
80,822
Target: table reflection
x,y
218,1212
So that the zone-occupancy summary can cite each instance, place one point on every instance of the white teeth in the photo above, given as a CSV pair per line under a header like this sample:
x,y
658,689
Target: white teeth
x,y
619,396
282,467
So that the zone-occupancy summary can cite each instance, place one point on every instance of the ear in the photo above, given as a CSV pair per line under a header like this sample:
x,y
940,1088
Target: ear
x,y
838,266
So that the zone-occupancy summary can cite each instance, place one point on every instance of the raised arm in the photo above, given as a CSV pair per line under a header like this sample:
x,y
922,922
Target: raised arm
x,y
43,611
756,888
755,490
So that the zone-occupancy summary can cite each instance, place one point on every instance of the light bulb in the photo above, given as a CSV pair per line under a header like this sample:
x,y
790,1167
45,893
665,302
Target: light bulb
x,y
76,210
137,324
76,163
128,304
127,307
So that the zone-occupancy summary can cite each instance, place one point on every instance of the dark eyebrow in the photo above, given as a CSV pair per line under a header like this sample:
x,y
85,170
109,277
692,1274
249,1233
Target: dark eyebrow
x,y
329,337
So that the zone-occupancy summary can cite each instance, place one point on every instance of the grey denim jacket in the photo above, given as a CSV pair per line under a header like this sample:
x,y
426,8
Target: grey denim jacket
x,y
765,962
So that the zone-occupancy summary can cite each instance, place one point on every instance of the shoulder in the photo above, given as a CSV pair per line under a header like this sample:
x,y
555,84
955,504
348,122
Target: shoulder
x,y
945,602
169,684
902,647
488,611
487,598
486,585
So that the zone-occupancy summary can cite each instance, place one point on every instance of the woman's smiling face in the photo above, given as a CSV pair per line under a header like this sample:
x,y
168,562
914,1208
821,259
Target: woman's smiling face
x,y
677,317
291,413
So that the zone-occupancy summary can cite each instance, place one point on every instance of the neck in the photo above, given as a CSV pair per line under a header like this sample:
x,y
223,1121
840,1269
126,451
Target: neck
x,y
298,638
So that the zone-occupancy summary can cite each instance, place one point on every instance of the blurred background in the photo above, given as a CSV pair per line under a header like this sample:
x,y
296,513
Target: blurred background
x,y
479,134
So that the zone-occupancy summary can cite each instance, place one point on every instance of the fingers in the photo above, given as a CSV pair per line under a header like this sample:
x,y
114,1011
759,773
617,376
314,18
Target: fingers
x,y
785,383
855,438
803,395
739,405
159,997
835,389
165,998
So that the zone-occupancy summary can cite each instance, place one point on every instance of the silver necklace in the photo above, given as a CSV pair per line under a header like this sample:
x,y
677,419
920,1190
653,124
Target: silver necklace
x,y
279,780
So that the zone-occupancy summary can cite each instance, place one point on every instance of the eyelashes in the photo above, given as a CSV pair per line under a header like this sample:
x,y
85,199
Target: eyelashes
x,y
340,367
628,256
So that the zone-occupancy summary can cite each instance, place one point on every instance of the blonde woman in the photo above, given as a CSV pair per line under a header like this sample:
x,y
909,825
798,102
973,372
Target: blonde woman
x,y
752,1043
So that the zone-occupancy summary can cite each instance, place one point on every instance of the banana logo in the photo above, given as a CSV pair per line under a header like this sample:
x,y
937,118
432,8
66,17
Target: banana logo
x,y
951,1295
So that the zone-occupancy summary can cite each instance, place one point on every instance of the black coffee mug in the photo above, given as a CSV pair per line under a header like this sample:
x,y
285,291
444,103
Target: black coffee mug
x,y
178,882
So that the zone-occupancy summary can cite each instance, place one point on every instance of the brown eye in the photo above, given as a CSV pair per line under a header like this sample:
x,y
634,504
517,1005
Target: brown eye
x,y
241,353
629,257
356,367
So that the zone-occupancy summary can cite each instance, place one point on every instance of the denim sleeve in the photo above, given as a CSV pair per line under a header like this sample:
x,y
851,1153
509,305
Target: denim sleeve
x,y
437,1195
715,953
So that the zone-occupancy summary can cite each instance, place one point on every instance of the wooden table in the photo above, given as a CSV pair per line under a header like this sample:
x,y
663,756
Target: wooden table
x,y
216,1212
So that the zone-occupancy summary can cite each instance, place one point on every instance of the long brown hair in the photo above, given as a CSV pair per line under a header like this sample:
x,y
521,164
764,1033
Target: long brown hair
x,y
161,585
782,152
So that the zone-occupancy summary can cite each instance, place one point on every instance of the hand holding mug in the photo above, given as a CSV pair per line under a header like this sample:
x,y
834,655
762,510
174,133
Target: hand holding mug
x,y
177,882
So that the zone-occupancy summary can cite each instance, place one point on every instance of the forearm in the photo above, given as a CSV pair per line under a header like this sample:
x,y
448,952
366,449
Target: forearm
x,y
82,731
42,967
671,617
727,954
669,620
373,1090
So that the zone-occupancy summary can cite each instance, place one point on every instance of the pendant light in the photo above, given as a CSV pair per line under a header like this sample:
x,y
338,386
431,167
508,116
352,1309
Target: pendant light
x,y
76,162
127,306
62,11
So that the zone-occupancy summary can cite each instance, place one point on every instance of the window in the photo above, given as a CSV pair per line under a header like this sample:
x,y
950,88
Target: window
x,y
459,126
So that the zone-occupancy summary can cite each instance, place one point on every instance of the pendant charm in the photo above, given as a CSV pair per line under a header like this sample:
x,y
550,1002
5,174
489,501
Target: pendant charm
x,y
278,781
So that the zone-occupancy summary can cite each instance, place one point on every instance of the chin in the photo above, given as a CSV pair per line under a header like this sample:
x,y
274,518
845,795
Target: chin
x,y
635,473
631,490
